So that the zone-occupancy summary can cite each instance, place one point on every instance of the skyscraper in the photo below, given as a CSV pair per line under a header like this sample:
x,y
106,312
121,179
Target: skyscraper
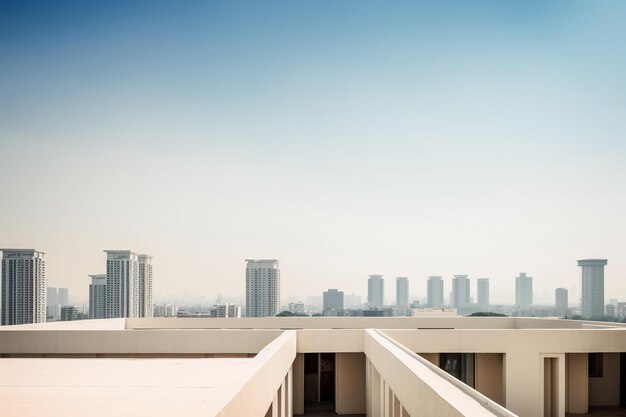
x,y
592,287
460,291
53,308
523,290
375,291
63,298
434,295
561,301
482,293
262,287
333,302
24,290
97,296
402,292
145,285
122,286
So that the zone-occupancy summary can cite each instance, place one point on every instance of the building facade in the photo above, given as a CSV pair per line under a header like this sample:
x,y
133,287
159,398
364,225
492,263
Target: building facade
x,y
145,285
460,297
52,305
97,296
122,287
482,293
402,292
283,366
434,295
262,287
332,302
523,290
561,301
63,297
376,291
296,307
592,287
24,291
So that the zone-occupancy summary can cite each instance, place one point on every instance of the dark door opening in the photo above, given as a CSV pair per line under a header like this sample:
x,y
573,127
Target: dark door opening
x,y
319,381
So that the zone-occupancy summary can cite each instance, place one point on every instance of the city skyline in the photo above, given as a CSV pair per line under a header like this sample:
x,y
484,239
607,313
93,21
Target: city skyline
x,y
344,139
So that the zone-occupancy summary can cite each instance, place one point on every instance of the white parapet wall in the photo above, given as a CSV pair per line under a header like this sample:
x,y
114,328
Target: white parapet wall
x,y
400,383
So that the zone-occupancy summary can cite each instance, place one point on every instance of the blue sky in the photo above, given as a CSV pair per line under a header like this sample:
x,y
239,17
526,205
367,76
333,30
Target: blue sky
x,y
343,138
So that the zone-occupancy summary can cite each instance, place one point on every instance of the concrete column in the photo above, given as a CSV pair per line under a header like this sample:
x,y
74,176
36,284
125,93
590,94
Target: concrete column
x,y
290,392
489,375
577,383
275,405
282,412
377,393
523,383
351,384
368,387
298,384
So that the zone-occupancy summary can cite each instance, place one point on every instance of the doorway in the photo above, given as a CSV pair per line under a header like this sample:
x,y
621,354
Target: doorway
x,y
319,382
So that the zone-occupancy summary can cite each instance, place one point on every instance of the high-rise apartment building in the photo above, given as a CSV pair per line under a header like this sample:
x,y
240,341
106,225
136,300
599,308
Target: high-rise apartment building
x,y
227,310
592,287
296,307
561,301
402,292
145,285
70,313
262,287
122,286
434,294
63,297
53,308
375,291
523,290
24,290
333,301
482,293
97,296
460,297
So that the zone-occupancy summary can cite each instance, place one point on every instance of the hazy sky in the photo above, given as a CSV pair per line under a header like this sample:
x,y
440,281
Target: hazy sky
x,y
343,138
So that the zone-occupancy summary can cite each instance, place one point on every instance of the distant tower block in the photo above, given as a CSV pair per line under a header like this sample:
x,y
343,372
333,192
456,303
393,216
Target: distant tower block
x,y
592,287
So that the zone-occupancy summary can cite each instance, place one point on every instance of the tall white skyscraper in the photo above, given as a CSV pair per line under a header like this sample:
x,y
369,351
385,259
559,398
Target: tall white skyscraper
x,y
460,291
402,292
434,291
122,286
24,291
145,285
97,296
523,290
561,301
592,288
375,291
482,293
262,287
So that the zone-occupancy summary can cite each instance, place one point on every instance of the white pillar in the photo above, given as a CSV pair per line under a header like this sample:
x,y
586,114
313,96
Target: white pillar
x,y
290,392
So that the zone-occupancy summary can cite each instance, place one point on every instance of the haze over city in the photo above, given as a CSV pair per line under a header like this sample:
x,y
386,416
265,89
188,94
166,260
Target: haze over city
x,y
344,139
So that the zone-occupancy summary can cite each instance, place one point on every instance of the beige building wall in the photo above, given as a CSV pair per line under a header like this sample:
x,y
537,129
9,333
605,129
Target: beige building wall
x,y
298,384
577,387
350,383
489,375
605,390
432,357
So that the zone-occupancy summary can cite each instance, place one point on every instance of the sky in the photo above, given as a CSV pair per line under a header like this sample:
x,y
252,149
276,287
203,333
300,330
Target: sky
x,y
345,139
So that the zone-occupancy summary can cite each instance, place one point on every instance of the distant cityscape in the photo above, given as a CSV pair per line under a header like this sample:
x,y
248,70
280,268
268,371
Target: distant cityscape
x,y
126,290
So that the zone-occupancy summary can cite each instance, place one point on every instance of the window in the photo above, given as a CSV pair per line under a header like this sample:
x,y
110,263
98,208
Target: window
x,y
459,365
596,365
